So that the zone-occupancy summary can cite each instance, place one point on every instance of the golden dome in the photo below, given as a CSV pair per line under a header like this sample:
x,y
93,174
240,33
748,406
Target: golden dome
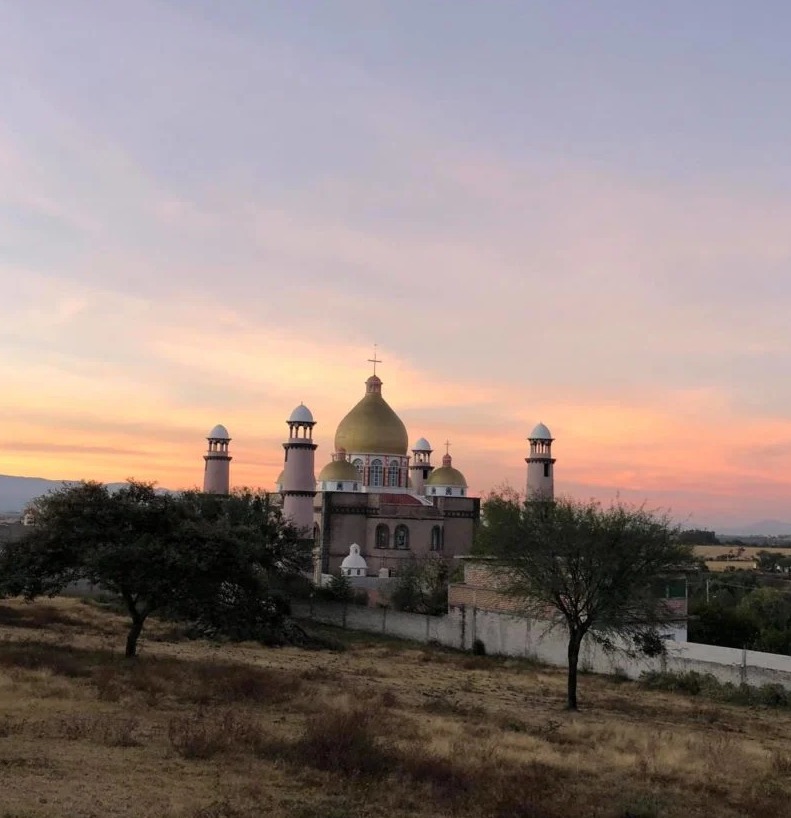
x,y
446,475
338,470
372,427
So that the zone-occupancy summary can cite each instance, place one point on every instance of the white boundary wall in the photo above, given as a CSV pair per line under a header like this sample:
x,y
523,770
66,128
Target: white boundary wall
x,y
509,635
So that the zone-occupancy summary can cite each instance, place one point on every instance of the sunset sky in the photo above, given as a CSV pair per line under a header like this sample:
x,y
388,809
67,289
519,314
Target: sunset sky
x,y
572,212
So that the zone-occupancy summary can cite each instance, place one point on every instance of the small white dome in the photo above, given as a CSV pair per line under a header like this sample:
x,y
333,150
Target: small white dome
x,y
540,433
422,445
219,432
355,559
301,415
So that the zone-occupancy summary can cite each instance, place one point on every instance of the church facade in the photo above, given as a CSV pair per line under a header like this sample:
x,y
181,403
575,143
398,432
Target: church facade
x,y
376,493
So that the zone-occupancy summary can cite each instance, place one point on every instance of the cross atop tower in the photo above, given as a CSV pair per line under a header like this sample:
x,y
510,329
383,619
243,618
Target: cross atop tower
x,y
447,447
374,360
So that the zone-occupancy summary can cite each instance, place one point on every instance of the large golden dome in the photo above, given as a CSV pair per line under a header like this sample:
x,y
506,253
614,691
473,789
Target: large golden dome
x,y
372,427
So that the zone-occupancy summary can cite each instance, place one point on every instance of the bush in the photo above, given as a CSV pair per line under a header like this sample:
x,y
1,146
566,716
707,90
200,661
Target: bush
x,y
478,648
705,684
201,735
344,741
61,661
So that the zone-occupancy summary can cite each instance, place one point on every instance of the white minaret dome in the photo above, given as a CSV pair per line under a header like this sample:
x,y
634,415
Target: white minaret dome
x,y
422,445
301,415
540,432
354,565
219,432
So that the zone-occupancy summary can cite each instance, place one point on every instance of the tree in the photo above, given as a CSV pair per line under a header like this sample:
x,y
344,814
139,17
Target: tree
x,y
197,555
422,587
597,570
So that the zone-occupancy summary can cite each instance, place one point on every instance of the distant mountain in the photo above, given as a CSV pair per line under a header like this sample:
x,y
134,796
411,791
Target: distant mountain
x,y
17,492
763,528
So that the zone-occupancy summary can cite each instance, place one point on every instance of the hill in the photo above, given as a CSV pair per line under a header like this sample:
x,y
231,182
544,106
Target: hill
x,y
199,730
17,492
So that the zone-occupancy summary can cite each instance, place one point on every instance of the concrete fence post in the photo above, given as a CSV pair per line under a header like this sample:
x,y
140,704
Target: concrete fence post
x,y
743,668
384,619
428,628
463,612
474,625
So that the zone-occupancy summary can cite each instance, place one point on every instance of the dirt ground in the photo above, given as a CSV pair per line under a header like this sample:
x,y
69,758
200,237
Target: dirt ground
x,y
192,729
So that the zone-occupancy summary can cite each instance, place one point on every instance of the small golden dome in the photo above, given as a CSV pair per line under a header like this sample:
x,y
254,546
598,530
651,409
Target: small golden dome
x,y
372,427
446,475
339,470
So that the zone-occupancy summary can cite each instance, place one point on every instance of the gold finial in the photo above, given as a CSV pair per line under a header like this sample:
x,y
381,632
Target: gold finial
x,y
447,447
374,360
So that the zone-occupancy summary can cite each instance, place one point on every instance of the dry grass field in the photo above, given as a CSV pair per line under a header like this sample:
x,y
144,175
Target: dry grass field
x,y
196,730
745,562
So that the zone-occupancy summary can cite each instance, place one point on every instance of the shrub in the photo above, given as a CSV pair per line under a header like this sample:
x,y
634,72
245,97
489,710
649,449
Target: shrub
x,y
201,735
478,648
705,684
346,742
690,682
61,661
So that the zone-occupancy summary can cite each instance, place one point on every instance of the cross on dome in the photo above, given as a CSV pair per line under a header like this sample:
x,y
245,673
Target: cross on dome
x,y
447,447
374,360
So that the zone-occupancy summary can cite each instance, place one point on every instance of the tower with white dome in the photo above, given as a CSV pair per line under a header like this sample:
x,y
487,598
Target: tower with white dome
x,y
540,465
217,468
298,486
420,467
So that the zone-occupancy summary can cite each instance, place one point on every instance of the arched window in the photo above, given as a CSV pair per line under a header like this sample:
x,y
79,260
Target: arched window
x,y
436,538
448,491
392,473
401,537
358,464
377,473
382,536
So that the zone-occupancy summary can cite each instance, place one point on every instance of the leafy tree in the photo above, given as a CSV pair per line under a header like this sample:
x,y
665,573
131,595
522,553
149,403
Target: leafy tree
x,y
340,588
592,568
212,559
422,587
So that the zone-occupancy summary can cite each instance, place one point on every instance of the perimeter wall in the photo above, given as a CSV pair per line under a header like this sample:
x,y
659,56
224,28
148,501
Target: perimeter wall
x,y
510,635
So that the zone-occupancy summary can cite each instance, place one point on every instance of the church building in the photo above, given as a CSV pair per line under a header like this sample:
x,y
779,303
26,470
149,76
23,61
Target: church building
x,y
376,497
371,493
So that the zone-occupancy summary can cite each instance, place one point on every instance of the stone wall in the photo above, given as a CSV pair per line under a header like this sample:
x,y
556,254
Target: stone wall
x,y
509,635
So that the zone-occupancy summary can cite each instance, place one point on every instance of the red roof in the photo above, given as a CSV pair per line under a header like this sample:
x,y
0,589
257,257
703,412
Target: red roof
x,y
399,500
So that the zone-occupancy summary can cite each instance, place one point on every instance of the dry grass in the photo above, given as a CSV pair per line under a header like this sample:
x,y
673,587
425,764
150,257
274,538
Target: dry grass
x,y
193,730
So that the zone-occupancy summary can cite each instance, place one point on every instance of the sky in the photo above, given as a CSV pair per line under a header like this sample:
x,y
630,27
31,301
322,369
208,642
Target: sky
x,y
555,210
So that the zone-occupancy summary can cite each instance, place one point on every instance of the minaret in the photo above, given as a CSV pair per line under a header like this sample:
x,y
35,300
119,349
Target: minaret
x,y
299,481
540,465
421,467
217,471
